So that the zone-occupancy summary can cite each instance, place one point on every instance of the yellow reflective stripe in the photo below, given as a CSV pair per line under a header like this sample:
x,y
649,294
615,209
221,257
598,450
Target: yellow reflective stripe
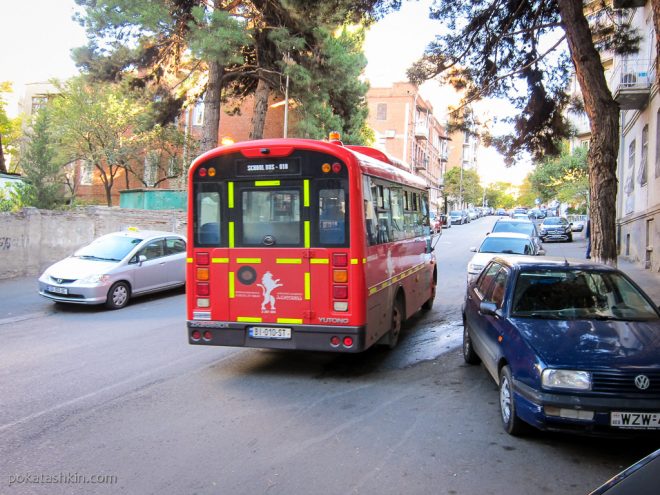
x,y
266,183
308,286
232,292
306,193
320,261
189,260
231,234
248,319
255,261
355,261
288,261
230,194
396,278
307,235
219,260
292,321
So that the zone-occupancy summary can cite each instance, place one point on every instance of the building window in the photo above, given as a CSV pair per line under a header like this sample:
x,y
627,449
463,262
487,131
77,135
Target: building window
x,y
630,181
198,114
381,111
644,161
38,102
86,174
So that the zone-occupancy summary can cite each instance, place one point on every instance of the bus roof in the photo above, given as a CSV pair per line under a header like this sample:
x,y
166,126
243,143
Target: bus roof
x,y
371,160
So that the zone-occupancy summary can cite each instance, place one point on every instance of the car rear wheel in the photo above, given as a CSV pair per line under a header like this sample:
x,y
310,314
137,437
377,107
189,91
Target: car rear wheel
x,y
118,295
469,355
510,420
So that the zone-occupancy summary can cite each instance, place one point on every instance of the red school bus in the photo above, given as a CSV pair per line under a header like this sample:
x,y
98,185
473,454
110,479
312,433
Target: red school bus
x,y
303,244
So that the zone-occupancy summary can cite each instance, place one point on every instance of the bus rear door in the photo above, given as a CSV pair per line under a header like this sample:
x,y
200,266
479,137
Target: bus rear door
x,y
269,238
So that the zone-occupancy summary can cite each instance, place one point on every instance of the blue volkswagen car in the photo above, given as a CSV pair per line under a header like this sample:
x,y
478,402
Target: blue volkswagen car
x,y
573,346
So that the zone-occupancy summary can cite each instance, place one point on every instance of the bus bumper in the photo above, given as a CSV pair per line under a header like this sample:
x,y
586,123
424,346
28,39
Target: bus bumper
x,y
303,337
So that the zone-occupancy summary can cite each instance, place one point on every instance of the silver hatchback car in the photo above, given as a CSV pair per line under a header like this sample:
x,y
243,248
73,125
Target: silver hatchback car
x,y
116,267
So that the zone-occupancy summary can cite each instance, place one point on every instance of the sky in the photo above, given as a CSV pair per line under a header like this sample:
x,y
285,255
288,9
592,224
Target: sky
x,y
37,36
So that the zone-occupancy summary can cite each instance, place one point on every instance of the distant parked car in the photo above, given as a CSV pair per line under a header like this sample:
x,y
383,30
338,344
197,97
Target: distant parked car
x,y
521,226
501,212
499,243
458,217
446,221
572,345
556,229
116,267
578,226
472,214
536,214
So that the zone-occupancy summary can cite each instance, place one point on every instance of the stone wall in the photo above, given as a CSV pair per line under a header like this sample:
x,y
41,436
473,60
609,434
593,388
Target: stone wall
x,y
32,239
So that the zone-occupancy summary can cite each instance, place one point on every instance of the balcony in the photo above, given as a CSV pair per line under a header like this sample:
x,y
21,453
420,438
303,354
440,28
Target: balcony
x,y
631,83
421,130
628,4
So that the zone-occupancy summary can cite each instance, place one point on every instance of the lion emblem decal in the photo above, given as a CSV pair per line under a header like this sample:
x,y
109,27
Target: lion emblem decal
x,y
268,285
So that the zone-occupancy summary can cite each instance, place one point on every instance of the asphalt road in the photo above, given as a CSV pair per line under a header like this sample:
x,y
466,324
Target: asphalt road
x,y
87,392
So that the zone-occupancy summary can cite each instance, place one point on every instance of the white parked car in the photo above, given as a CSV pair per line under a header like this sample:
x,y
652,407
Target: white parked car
x,y
116,267
500,243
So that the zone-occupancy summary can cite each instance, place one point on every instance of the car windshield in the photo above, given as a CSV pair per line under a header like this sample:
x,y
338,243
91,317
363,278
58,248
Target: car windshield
x,y
505,245
579,294
552,221
518,227
108,248
455,214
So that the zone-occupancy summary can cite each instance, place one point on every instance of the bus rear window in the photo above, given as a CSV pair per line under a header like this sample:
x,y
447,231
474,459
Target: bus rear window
x,y
272,214
332,216
208,218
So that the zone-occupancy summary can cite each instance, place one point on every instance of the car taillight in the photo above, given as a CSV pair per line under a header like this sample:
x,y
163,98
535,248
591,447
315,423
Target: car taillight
x,y
203,289
202,258
340,259
340,276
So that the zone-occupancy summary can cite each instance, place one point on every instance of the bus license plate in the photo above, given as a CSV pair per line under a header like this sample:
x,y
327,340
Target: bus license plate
x,y
636,420
58,290
269,333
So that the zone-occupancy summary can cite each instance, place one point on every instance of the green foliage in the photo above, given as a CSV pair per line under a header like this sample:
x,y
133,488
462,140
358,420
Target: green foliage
x,y
42,171
564,177
499,195
468,187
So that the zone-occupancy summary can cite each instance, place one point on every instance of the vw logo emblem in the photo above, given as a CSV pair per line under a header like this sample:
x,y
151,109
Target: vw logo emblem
x,y
642,382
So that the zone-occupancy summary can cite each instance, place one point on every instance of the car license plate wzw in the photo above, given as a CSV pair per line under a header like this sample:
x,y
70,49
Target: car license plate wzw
x,y
269,333
635,420
57,290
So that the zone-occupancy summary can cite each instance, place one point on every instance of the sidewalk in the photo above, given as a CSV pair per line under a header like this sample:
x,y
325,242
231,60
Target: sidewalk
x,y
646,279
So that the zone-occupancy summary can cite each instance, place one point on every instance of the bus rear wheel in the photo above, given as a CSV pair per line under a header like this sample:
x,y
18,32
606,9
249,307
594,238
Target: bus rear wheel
x,y
397,323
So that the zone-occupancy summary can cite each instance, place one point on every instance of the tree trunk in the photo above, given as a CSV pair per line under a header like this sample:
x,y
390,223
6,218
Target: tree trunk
x,y
260,109
3,165
603,113
211,126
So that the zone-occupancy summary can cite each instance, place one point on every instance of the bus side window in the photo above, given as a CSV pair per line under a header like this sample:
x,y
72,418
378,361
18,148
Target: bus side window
x,y
369,211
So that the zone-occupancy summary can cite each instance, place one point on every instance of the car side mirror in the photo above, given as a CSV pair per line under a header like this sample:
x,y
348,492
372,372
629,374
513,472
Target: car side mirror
x,y
142,258
473,249
488,308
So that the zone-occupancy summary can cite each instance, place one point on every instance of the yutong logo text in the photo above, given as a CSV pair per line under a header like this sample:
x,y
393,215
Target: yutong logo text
x,y
333,320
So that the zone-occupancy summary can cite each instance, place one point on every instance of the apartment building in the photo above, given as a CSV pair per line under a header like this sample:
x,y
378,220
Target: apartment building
x,y
407,128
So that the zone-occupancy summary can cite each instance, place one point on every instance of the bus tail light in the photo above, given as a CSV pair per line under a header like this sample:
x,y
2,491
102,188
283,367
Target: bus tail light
x,y
196,335
202,273
202,258
340,259
203,289
203,302
336,167
348,342
340,276
335,341
208,335
340,292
